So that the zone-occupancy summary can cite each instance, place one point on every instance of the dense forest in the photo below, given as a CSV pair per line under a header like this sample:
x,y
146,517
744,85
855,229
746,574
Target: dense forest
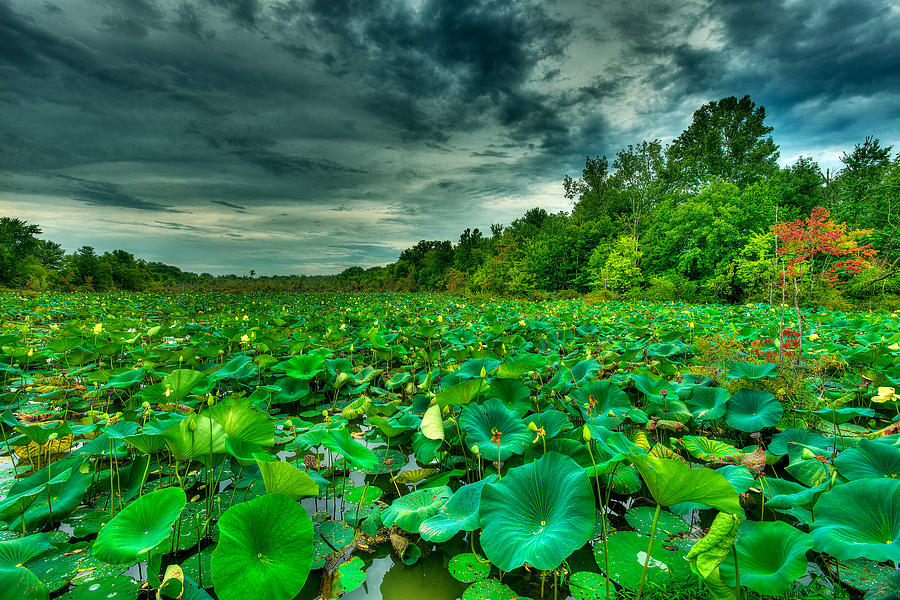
x,y
709,217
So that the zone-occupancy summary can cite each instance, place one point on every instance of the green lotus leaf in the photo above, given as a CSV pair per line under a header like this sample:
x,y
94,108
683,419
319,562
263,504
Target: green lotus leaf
x,y
328,537
126,379
409,511
180,382
143,524
786,441
520,365
357,408
472,367
460,513
624,479
304,366
195,437
652,387
553,422
486,423
538,513
16,580
291,390
586,585
752,410
348,576
869,459
627,554
340,441
667,525
752,371
707,449
284,478
363,494
239,368
489,589
707,403
771,556
839,416
468,568
610,403
513,393
860,519
739,476
265,549
671,482
241,421
462,393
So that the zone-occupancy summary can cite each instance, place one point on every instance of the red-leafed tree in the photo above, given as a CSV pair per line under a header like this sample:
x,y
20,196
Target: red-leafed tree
x,y
817,245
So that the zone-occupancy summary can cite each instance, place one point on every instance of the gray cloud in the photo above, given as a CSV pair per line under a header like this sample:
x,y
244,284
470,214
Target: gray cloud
x,y
307,135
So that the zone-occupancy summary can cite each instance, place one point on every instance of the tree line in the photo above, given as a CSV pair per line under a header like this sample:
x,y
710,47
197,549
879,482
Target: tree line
x,y
699,219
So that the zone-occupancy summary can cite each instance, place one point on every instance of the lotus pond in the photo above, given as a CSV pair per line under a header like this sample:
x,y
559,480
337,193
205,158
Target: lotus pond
x,y
246,446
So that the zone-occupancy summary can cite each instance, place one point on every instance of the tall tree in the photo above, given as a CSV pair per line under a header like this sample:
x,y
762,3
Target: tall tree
x,y
595,194
638,170
18,240
727,140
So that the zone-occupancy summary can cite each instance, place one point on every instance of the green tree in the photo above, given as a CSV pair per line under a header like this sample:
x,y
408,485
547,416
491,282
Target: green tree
x,y
638,171
18,240
617,268
727,140
596,194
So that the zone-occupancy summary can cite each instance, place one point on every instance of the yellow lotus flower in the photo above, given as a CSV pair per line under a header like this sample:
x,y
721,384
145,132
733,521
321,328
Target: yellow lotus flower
x,y
895,346
98,328
885,394
813,337
245,338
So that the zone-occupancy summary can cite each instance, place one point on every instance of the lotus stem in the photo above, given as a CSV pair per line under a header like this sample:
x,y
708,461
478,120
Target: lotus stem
x,y
737,571
650,549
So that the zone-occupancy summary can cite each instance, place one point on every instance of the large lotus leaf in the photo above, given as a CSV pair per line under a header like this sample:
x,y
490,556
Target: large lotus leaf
x,y
860,519
180,382
771,556
707,449
409,511
671,482
496,430
784,442
624,480
707,403
667,524
468,567
304,366
652,387
195,437
16,580
489,589
869,459
143,524
265,549
752,371
551,420
340,440
291,390
538,513
462,393
433,423
59,497
576,376
239,368
474,366
284,478
839,416
739,476
809,471
586,585
520,365
602,403
125,379
243,422
783,495
331,536
460,513
514,394
752,410
627,555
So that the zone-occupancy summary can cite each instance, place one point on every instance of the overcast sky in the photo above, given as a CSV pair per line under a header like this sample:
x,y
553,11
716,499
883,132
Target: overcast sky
x,y
295,136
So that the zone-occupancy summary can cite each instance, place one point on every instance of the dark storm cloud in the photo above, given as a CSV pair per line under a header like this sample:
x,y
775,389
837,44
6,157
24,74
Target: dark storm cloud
x,y
236,207
281,130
